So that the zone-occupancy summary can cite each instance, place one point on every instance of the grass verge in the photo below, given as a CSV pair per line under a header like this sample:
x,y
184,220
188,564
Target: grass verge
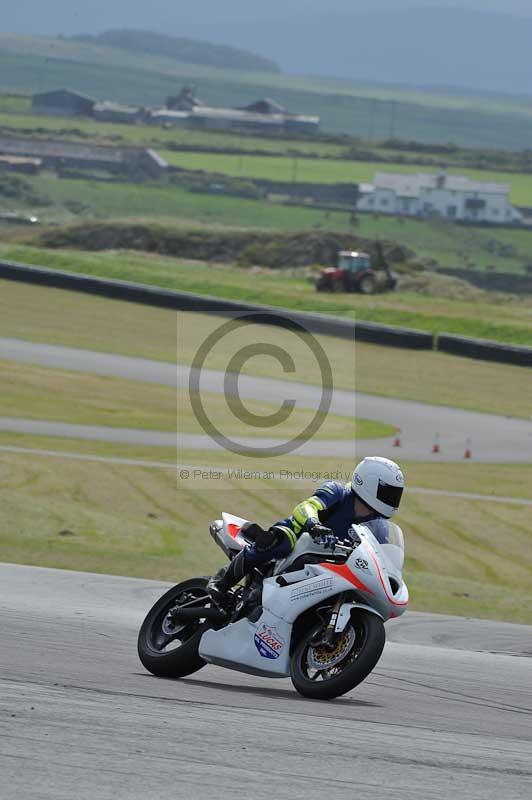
x,y
41,393
425,376
128,520
60,317
445,308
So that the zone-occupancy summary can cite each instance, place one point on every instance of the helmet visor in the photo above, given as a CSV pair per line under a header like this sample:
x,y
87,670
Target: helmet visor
x,y
391,495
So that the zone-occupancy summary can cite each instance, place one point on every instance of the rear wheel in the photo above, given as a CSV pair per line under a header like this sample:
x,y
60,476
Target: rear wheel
x,y
166,647
367,285
323,673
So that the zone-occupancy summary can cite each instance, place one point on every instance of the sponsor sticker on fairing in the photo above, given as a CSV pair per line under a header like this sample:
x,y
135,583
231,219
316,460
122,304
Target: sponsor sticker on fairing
x,y
310,589
268,642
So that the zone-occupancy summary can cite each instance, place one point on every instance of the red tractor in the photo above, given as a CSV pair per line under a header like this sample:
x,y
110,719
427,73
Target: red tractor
x,y
356,273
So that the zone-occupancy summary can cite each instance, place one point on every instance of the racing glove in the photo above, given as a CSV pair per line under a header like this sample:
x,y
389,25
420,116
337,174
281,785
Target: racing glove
x,y
322,535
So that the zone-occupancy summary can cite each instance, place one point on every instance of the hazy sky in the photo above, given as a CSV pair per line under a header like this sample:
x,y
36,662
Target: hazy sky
x,y
89,16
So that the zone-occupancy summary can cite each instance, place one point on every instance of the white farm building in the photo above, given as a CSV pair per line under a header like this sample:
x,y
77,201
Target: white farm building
x,y
451,197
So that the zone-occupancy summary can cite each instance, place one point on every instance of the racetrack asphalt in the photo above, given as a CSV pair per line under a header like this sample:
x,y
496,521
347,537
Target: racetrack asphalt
x,y
493,438
446,713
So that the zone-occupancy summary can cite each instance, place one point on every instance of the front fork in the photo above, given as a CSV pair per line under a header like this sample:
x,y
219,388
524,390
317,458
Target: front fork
x,y
327,639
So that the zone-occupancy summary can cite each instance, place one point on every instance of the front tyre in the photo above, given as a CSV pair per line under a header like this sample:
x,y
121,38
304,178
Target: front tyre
x,y
166,647
323,673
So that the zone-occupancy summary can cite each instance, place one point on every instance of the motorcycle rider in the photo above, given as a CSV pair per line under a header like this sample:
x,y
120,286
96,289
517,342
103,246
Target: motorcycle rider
x,y
373,495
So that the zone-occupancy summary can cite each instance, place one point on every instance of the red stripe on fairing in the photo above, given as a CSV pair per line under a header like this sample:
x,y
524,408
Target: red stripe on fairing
x,y
344,572
390,599
233,529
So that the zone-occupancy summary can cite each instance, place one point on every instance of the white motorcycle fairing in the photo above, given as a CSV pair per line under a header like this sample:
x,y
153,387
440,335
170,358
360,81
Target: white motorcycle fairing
x,y
371,574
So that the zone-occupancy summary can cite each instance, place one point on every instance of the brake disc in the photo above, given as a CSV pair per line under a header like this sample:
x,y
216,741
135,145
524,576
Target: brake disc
x,y
323,658
170,625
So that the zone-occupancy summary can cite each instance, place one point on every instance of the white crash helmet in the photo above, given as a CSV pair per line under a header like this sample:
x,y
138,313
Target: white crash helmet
x,y
379,483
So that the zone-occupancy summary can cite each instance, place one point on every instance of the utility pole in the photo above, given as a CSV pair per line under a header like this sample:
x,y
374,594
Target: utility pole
x,y
372,108
392,120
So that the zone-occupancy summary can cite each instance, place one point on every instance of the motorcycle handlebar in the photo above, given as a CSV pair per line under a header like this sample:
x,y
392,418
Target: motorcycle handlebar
x,y
345,548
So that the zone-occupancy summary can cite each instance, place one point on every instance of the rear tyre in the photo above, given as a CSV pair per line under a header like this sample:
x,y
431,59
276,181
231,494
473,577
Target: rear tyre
x,y
368,285
322,674
165,647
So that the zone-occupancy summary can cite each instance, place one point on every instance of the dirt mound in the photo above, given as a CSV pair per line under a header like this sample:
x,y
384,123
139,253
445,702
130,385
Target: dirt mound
x,y
246,247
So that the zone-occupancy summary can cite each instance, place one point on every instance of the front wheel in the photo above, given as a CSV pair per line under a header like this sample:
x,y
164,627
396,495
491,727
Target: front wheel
x,y
166,647
323,673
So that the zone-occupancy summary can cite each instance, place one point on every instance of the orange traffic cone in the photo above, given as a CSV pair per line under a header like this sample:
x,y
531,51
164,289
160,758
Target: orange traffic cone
x,y
397,441
436,445
468,453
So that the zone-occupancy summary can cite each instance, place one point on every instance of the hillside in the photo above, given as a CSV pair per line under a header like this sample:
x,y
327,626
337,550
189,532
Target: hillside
x,y
187,51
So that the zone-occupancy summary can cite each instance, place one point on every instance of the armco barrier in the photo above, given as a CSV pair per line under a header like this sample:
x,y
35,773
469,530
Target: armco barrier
x,y
485,350
394,337
186,301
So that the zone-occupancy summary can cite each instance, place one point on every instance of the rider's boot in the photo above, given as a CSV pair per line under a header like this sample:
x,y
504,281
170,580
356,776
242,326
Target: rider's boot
x,y
226,578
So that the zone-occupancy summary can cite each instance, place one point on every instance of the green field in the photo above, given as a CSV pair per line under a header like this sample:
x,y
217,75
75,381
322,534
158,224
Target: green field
x,y
450,245
478,315
446,244
323,162
73,199
455,246
16,118
38,64
310,170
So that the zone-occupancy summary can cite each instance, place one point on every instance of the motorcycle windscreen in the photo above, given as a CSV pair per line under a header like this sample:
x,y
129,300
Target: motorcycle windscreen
x,y
380,529
386,532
